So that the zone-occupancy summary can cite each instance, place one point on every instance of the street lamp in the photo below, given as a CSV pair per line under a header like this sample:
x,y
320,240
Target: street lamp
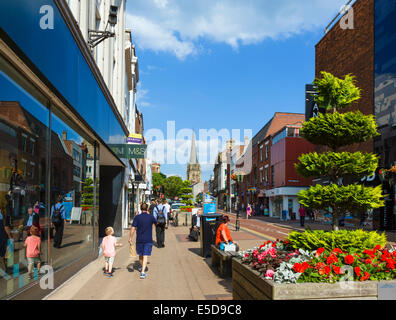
x,y
96,36
239,178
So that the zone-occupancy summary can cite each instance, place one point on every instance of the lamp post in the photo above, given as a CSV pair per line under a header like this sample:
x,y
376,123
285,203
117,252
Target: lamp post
x,y
239,178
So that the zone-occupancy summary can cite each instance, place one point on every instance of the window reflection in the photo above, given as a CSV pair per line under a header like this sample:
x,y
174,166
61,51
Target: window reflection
x,y
23,214
72,182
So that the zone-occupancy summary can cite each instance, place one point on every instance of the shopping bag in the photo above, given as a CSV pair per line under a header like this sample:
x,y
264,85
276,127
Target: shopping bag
x,y
132,250
229,247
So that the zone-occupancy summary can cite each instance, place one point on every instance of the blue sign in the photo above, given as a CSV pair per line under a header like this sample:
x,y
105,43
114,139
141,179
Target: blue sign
x,y
210,207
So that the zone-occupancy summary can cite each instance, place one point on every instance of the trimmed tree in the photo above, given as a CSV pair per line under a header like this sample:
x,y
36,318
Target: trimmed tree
x,y
187,196
344,170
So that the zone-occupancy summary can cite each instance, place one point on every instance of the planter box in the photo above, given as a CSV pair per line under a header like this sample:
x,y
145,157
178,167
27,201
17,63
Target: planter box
x,y
248,285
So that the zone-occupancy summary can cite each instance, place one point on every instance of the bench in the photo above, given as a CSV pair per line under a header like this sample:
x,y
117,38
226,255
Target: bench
x,y
222,261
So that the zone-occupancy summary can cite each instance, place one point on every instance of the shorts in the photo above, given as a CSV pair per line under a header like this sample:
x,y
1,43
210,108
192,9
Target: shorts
x,y
33,260
144,249
109,259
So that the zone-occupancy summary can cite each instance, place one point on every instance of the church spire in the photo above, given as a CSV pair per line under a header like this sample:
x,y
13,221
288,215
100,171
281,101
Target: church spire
x,y
193,154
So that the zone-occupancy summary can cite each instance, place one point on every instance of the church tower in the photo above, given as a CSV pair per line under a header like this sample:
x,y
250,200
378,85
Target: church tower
x,y
193,167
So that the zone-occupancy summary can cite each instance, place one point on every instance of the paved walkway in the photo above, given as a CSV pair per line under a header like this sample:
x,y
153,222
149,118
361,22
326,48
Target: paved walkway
x,y
176,272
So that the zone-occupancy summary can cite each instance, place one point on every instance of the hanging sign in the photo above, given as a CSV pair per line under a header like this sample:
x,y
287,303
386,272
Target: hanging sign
x,y
129,151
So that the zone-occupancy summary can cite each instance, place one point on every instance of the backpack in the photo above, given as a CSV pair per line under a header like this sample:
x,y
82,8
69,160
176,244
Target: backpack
x,y
161,216
193,235
56,215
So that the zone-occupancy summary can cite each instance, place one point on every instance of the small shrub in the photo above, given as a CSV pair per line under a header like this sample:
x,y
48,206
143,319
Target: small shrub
x,y
343,239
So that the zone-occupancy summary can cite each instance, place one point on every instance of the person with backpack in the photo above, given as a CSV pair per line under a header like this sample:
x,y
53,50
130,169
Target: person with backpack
x,y
152,206
161,215
58,220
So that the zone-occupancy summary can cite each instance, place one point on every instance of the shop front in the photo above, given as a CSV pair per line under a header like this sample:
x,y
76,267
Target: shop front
x,y
56,124
283,202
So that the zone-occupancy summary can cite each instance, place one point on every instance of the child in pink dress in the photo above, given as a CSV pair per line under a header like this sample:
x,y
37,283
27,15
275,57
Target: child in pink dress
x,y
109,244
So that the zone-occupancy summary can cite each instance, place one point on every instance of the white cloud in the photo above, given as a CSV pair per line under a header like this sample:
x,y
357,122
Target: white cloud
x,y
177,26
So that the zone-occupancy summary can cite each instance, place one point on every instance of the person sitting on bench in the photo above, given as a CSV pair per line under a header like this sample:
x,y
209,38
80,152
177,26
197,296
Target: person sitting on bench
x,y
195,226
223,234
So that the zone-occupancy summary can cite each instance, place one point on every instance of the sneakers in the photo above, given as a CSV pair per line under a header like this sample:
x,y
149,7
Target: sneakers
x,y
110,275
143,275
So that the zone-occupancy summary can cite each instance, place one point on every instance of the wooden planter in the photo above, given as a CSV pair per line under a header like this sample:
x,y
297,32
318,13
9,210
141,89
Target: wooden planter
x,y
248,285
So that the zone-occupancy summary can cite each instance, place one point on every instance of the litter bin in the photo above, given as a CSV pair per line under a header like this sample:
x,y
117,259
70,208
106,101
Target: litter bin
x,y
209,225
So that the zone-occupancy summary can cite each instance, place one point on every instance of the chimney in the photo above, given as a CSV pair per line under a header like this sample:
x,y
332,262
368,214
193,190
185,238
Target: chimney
x,y
64,135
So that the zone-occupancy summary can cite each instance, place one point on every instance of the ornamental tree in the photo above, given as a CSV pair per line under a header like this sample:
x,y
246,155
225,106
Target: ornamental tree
x,y
334,131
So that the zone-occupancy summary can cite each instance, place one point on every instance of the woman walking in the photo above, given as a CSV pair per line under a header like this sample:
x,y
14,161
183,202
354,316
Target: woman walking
x,y
248,211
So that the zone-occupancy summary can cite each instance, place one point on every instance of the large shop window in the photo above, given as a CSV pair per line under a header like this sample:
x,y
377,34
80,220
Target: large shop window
x,y
44,161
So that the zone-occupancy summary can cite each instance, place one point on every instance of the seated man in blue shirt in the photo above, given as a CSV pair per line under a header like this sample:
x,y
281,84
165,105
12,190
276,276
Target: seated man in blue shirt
x,y
143,223
161,215
58,220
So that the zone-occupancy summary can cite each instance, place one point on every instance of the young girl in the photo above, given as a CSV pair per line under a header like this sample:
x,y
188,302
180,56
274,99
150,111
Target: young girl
x,y
32,244
109,244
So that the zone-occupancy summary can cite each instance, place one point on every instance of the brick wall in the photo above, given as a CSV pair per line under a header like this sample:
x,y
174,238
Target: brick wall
x,y
352,51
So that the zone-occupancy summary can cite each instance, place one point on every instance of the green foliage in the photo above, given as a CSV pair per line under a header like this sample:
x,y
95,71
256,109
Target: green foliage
x,y
335,93
87,194
339,129
353,198
158,179
173,186
345,240
198,198
336,164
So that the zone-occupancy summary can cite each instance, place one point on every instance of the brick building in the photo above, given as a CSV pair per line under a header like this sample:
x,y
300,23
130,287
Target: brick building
x,y
368,52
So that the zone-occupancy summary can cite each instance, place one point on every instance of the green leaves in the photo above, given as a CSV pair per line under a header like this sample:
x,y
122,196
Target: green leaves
x,y
336,130
335,164
335,93
353,198
346,240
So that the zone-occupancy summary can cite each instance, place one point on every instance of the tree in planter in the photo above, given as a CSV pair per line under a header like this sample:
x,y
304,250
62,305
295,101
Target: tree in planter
x,y
186,195
173,186
158,182
344,170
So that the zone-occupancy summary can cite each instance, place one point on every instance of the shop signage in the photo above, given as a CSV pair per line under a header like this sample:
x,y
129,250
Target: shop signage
x,y
142,186
129,151
135,138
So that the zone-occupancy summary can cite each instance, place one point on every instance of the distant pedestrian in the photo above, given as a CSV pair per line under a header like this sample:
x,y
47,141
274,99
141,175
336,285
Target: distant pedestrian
x,y
302,213
58,220
257,209
143,223
109,244
161,215
262,209
152,206
248,211
33,249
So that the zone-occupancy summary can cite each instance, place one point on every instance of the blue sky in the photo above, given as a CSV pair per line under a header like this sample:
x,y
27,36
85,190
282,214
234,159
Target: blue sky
x,y
223,64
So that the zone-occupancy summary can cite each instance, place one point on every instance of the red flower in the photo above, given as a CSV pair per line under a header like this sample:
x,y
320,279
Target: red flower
x,y
297,267
365,277
349,259
305,266
332,259
358,271
390,264
337,250
337,269
327,270
368,261
319,252
377,247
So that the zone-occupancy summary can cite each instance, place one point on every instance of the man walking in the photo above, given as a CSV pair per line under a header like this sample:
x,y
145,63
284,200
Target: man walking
x,y
302,213
143,223
58,219
152,206
161,215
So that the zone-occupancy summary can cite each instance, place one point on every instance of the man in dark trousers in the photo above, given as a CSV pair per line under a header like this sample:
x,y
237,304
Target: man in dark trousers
x,y
58,219
161,215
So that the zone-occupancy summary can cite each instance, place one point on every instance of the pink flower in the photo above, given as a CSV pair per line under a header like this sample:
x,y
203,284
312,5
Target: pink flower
x,y
269,274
